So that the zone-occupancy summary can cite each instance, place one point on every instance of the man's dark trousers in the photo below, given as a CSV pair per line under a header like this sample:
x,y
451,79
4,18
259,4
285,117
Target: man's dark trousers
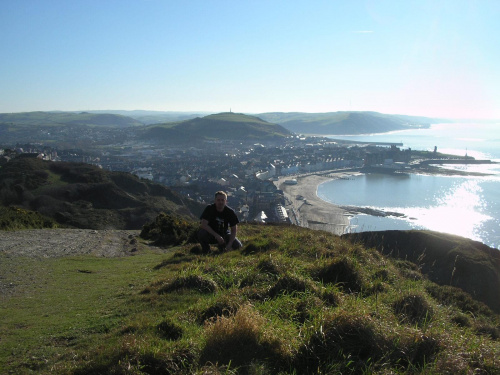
x,y
206,239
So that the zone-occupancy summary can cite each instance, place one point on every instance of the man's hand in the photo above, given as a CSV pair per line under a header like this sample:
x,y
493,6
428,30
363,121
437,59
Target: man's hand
x,y
220,239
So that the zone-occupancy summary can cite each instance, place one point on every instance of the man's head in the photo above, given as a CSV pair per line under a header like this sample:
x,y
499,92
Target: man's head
x,y
220,200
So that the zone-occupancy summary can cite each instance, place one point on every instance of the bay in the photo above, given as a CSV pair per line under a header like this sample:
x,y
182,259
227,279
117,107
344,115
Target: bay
x,y
467,206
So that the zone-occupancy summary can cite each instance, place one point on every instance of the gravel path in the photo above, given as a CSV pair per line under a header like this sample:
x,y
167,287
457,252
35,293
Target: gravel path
x,y
50,243
19,249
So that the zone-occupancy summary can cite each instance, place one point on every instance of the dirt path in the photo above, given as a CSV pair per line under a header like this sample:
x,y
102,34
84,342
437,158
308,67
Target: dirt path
x,y
20,252
50,243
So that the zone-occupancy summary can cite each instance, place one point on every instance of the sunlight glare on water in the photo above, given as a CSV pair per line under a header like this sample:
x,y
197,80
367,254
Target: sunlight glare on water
x,y
456,212
465,205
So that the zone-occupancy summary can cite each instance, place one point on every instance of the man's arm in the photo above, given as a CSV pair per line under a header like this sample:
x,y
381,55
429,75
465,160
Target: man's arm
x,y
234,230
204,225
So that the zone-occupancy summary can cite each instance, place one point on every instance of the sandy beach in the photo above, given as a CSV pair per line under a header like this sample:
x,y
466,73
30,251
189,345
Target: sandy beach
x,y
306,209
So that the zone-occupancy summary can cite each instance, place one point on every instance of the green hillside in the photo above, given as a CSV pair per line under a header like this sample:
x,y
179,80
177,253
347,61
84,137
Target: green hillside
x,y
291,301
83,196
222,126
67,118
338,123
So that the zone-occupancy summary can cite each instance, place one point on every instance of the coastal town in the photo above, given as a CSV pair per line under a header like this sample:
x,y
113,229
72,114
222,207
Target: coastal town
x,y
265,182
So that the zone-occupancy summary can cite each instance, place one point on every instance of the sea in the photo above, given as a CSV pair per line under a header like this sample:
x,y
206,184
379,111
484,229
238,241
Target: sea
x,y
468,206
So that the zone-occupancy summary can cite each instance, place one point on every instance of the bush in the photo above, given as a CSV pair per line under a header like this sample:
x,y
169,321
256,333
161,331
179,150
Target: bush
x,y
170,230
12,218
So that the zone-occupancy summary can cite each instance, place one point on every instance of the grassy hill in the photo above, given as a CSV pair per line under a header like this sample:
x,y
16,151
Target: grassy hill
x,y
222,126
67,118
332,123
291,301
444,258
84,196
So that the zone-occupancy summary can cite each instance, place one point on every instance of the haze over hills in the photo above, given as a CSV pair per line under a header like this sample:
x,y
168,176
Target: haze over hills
x,y
180,126
343,123
67,119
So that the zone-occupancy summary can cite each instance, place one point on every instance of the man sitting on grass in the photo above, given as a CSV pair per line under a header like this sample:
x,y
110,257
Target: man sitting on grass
x,y
216,220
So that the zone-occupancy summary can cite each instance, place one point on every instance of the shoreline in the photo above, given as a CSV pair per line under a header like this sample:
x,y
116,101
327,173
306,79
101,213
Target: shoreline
x,y
306,209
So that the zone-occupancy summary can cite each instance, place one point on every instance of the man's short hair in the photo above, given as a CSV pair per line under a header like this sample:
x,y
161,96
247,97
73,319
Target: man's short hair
x,y
220,192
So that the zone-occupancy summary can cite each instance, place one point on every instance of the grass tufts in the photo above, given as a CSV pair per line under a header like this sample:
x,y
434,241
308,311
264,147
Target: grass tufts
x,y
344,339
413,309
489,330
342,272
259,245
223,307
269,266
289,284
461,320
450,295
192,282
239,340
169,331
315,304
409,270
419,351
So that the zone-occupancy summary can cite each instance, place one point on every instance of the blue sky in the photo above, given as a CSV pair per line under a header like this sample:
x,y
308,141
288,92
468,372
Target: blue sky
x,y
430,58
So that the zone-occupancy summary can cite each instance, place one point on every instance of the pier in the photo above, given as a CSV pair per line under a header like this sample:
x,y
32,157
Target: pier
x,y
456,161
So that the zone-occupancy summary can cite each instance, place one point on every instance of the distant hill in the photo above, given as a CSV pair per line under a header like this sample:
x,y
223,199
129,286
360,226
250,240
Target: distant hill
x,y
67,118
156,117
222,126
343,123
85,196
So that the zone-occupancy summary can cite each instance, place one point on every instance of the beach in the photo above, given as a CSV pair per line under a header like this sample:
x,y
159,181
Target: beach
x,y
306,209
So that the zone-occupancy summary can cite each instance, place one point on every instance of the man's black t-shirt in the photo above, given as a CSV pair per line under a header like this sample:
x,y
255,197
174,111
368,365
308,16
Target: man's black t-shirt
x,y
220,221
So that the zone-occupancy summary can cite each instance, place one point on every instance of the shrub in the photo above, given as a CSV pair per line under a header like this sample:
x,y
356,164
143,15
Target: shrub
x,y
170,230
12,218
